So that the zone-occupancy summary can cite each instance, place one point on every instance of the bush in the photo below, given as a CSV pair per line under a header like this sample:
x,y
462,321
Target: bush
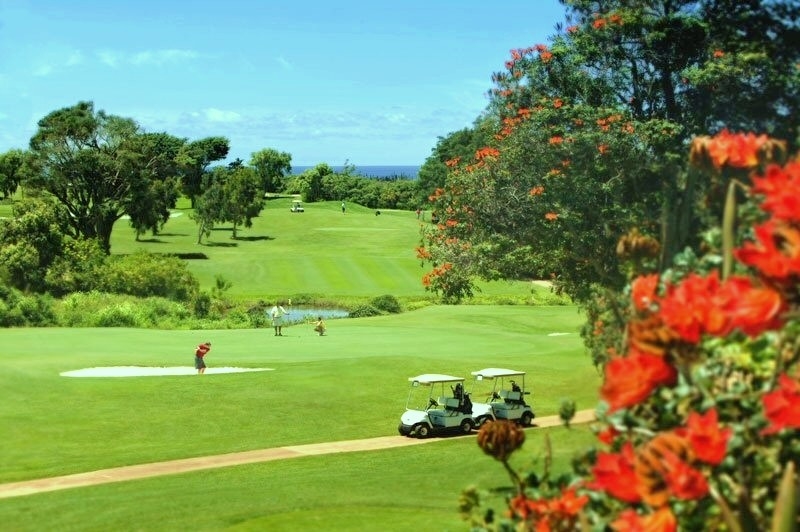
x,y
18,310
146,274
387,303
123,315
97,309
364,311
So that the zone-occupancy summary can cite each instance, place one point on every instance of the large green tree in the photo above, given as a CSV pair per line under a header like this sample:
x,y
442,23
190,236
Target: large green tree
x,y
271,166
591,136
194,159
37,256
98,167
461,144
232,194
12,169
149,205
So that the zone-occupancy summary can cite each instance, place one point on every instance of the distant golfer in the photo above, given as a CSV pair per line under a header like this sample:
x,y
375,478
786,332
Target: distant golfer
x,y
276,314
343,208
199,354
319,326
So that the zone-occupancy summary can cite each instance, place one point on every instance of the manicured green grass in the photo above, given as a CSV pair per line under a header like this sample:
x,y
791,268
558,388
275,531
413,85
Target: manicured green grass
x,y
320,251
350,384
403,489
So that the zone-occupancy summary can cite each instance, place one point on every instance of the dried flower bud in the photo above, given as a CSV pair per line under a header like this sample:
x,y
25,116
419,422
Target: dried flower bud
x,y
500,438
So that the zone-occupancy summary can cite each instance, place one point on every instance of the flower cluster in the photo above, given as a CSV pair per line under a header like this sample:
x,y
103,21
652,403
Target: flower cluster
x,y
701,397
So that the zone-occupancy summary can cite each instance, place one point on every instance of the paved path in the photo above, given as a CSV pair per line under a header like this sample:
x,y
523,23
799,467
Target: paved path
x,y
120,474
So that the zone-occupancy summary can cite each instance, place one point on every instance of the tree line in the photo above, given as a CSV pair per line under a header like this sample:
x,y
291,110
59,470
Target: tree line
x,y
86,169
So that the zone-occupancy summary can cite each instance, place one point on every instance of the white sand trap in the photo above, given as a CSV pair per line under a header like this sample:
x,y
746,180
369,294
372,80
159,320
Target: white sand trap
x,y
149,371
559,334
171,215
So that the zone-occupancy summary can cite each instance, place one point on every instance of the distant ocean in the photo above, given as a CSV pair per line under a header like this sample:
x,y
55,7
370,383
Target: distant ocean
x,y
410,172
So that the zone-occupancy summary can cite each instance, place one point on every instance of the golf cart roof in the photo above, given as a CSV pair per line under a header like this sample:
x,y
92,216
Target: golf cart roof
x,y
492,373
433,378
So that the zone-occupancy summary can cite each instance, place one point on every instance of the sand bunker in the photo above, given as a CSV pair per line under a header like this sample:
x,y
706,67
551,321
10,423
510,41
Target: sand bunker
x,y
559,334
148,371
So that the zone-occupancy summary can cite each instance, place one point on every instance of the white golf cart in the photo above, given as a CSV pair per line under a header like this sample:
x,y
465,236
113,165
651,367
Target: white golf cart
x,y
507,398
297,206
445,406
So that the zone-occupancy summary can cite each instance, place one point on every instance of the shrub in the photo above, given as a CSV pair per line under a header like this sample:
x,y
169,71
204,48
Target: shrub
x,y
98,309
364,311
18,310
145,274
387,303
123,315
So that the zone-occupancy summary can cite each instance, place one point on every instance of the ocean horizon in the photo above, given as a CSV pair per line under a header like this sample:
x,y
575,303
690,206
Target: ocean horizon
x,y
376,171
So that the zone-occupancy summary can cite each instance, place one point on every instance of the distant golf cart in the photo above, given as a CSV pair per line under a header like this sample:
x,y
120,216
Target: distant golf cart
x,y
507,397
438,403
297,206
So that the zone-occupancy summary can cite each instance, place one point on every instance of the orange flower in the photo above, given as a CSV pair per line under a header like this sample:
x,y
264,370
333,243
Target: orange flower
x,y
607,435
776,252
556,140
782,406
599,24
708,442
718,54
781,189
631,379
423,253
663,471
551,216
735,150
689,309
663,520
537,191
485,152
615,474
643,291
546,56
749,308
558,103
603,148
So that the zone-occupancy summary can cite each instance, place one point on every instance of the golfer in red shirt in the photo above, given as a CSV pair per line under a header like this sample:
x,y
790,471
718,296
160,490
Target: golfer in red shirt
x,y
199,353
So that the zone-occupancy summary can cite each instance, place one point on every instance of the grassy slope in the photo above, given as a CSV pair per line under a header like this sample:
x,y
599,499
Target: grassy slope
x,y
320,251
351,384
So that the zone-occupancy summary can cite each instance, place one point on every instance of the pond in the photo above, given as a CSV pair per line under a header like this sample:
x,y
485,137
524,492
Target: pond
x,y
308,314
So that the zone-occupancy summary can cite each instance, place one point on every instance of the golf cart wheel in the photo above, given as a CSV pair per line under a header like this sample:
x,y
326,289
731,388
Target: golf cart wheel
x,y
466,426
525,419
421,430
481,420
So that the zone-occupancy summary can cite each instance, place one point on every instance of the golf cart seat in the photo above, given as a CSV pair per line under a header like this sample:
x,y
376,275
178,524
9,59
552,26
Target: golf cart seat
x,y
449,403
510,396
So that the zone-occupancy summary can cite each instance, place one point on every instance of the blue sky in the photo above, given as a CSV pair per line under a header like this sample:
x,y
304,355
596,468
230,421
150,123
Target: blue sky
x,y
368,82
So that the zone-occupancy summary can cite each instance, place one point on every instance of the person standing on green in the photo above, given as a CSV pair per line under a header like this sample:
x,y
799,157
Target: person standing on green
x,y
277,313
342,207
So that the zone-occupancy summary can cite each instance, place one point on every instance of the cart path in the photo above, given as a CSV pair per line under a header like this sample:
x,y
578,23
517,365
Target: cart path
x,y
120,474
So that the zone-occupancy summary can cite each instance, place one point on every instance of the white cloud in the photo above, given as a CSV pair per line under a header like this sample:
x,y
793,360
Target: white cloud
x,y
109,58
218,115
161,57
75,58
43,70
147,57
284,63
